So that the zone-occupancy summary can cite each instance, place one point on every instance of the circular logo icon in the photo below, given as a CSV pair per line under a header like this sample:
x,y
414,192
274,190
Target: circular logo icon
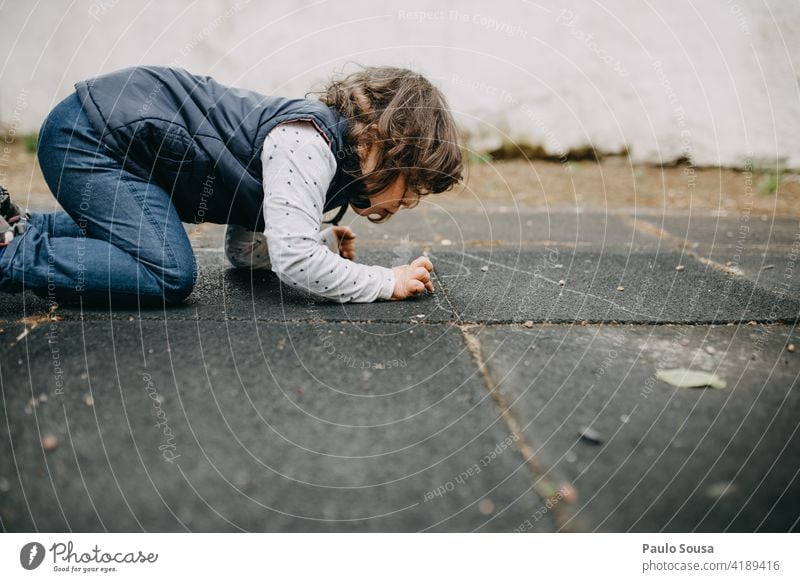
x,y
31,555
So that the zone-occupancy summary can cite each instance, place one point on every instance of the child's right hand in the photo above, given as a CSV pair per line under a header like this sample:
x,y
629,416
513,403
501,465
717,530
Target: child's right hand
x,y
412,279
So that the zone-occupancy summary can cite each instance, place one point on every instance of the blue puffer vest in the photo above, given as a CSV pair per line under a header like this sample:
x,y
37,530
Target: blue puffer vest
x,y
201,141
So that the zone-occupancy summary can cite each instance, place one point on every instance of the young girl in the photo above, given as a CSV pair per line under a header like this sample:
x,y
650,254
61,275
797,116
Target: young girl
x,y
133,154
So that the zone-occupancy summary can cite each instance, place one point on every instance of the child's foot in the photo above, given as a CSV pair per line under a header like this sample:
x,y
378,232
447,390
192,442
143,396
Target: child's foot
x,y
12,218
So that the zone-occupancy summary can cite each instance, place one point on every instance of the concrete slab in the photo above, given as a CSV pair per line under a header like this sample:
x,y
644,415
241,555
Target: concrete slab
x,y
669,459
222,426
744,229
523,284
507,225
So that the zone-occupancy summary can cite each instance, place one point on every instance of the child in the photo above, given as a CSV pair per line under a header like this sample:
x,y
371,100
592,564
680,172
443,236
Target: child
x,y
133,154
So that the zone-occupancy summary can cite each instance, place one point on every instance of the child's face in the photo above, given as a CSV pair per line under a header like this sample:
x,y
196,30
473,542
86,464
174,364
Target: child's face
x,y
388,201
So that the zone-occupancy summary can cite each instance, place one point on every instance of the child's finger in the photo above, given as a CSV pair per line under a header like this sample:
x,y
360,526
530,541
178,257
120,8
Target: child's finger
x,y
414,286
422,262
422,274
346,233
348,250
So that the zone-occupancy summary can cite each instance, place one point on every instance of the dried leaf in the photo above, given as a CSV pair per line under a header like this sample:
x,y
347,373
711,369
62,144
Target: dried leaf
x,y
683,378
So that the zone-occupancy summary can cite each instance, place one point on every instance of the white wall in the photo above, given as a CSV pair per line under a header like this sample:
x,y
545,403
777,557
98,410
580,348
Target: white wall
x,y
716,79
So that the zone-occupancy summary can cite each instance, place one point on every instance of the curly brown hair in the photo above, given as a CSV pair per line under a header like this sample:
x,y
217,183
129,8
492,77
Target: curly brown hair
x,y
402,113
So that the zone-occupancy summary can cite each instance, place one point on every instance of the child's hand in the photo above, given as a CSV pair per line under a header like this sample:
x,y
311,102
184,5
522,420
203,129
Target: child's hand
x,y
412,279
347,241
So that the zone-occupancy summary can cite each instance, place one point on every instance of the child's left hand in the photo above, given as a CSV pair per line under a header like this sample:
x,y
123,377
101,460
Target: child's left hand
x,y
346,241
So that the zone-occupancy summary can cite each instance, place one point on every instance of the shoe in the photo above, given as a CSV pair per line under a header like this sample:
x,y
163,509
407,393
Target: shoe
x,y
12,218
246,249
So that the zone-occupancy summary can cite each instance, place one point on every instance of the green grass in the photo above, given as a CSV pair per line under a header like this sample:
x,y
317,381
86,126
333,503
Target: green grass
x,y
479,158
768,183
30,140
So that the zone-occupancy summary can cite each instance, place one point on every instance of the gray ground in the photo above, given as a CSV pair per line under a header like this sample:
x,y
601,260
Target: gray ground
x,y
254,407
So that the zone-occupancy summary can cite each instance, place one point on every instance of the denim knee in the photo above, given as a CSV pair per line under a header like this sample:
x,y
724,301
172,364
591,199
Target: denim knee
x,y
178,281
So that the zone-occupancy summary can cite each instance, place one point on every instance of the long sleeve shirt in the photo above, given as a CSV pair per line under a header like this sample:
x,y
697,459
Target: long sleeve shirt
x,y
298,166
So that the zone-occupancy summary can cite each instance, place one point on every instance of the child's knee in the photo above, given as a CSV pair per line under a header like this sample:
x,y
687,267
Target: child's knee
x,y
178,288
179,283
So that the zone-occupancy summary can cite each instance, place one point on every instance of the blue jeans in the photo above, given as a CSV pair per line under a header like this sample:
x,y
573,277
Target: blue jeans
x,y
120,237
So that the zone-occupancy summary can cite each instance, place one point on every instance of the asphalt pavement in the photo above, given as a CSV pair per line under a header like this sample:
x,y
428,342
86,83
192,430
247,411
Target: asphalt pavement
x,y
523,395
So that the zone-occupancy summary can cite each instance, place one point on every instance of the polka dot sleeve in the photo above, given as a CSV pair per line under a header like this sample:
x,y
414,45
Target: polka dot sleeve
x,y
298,168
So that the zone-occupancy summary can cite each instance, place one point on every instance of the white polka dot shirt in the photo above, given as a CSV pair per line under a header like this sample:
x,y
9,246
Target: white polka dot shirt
x,y
298,166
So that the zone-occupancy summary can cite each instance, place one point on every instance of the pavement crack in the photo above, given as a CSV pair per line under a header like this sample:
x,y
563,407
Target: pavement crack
x,y
451,309
541,484
680,244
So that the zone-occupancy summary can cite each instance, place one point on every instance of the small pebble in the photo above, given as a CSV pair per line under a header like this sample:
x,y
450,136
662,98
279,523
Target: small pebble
x,y
791,348
620,288
420,316
685,342
88,400
720,490
43,397
562,282
680,268
591,436
446,242
710,350
528,323
484,268
486,507
49,442
570,457
568,492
